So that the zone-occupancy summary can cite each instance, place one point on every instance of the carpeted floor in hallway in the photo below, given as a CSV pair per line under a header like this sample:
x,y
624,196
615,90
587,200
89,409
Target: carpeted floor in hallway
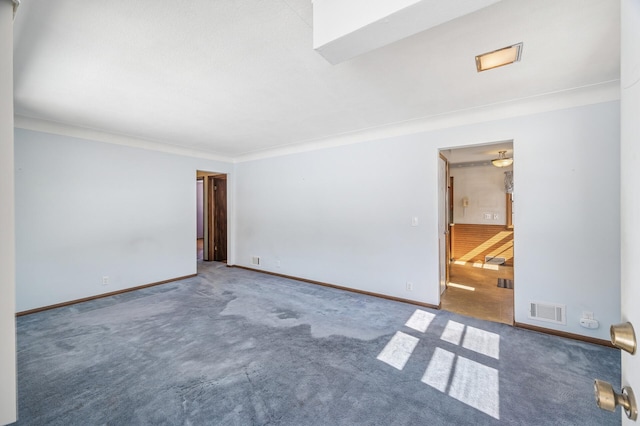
x,y
235,347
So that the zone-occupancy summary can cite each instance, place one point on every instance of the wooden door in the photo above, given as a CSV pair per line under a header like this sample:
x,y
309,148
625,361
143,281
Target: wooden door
x,y
216,230
220,218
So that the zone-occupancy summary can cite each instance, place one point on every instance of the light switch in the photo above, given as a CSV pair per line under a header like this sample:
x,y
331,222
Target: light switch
x,y
414,221
495,216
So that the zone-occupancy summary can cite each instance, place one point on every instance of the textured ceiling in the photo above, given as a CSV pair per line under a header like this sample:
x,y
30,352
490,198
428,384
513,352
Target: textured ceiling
x,y
232,77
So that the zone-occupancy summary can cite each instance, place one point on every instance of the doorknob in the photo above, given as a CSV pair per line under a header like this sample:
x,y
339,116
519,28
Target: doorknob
x,y
607,399
624,337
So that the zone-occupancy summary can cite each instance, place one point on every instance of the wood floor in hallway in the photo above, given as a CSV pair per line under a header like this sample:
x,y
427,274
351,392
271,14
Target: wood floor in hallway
x,y
200,248
474,292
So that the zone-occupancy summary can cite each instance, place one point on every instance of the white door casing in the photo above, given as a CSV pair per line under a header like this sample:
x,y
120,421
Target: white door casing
x,y
630,184
7,221
442,221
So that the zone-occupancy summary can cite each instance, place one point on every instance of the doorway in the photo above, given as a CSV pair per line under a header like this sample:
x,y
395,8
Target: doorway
x,y
477,208
213,245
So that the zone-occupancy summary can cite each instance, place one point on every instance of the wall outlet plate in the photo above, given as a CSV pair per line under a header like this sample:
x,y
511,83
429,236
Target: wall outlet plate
x,y
589,323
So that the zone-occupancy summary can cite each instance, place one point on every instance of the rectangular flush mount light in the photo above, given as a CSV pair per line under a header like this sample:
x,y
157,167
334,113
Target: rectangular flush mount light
x,y
498,58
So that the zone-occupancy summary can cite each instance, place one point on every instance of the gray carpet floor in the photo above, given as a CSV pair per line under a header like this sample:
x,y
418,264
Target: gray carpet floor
x,y
235,347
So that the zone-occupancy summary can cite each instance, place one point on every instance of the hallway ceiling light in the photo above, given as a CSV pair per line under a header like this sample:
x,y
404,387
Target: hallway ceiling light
x,y
502,160
498,58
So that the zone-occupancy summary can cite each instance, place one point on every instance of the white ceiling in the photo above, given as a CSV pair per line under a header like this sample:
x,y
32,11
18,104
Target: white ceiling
x,y
231,77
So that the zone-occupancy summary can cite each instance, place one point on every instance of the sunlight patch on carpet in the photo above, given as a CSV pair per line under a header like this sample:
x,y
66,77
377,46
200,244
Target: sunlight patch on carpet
x,y
398,350
452,333
439,369
483,342
420,320
477,386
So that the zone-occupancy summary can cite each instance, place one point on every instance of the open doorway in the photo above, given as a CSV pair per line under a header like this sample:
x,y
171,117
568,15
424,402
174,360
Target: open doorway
x,y
213,245
478,213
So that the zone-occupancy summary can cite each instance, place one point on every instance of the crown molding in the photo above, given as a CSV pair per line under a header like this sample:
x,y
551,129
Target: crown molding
x,y
581,96
46,126
571,98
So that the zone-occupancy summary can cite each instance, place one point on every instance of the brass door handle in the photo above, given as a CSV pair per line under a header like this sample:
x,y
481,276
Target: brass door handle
x,y
607,399
624,337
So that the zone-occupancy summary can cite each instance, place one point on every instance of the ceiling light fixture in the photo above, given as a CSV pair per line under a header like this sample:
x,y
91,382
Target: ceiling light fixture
x,y
502,160
498,58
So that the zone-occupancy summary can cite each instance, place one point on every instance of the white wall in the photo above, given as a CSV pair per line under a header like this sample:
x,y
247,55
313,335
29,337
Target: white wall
x,y
483,186
343,215
567,215
7,248
87,209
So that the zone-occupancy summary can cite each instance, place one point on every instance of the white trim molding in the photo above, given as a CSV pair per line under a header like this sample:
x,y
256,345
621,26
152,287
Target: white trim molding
x,y
46,126
580,96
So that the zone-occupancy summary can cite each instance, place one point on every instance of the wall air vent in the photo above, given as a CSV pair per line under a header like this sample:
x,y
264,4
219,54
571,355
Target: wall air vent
x,y
548,312
255,260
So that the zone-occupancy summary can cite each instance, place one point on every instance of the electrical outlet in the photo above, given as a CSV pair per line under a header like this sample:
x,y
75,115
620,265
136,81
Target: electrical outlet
x,y
278,264
409,286
105,280
589,323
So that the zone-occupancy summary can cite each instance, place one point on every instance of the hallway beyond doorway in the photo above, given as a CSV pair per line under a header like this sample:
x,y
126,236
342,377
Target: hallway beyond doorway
x,y
473,291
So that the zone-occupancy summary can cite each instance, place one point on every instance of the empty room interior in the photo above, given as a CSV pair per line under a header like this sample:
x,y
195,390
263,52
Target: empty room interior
x,y
305,212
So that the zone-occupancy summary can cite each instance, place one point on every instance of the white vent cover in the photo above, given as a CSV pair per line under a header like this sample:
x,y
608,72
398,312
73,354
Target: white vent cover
x,y
548,312
255,260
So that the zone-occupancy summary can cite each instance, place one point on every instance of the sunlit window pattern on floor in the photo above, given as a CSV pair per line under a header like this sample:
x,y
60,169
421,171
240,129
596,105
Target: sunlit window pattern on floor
x,y
476,385
483,342
420,320
398,350
452,332
439,369
468,381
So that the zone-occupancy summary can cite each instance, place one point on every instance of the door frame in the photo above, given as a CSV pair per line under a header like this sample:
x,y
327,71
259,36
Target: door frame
x,y
444,259
209,213
448,215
